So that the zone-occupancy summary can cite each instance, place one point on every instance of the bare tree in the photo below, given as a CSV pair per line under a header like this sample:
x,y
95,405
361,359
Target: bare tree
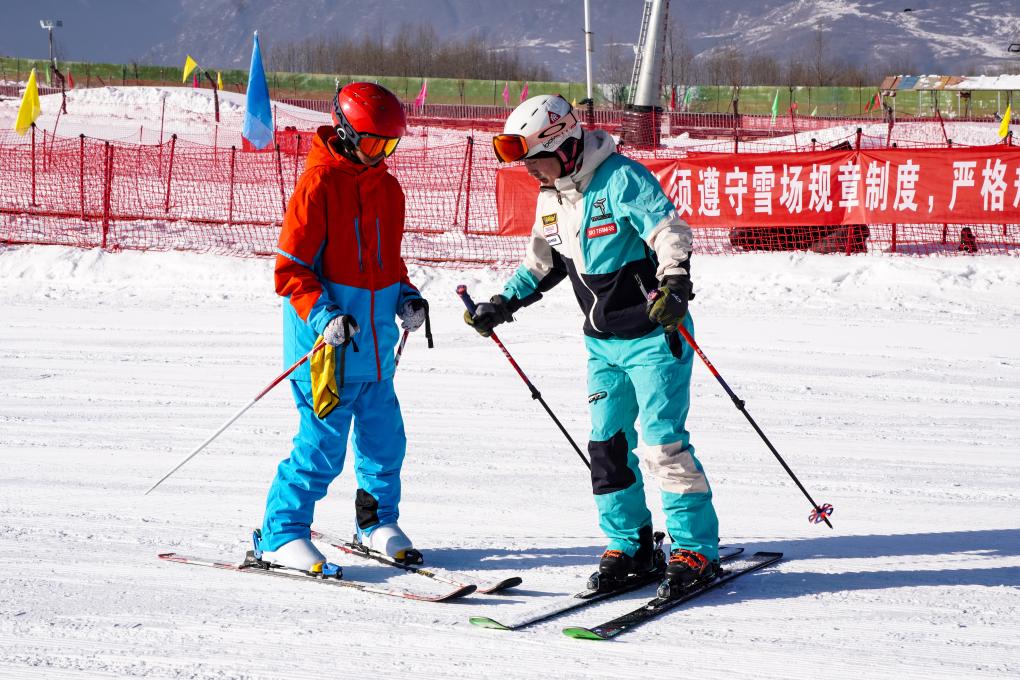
x,y
414,51
818,60
616,70
679,57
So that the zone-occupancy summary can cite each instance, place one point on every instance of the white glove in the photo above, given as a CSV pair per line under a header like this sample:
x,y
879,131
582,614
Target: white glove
x,y
412,314
339,330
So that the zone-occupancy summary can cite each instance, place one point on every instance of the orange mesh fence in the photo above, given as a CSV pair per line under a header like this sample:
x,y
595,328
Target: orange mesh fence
x,y
181,195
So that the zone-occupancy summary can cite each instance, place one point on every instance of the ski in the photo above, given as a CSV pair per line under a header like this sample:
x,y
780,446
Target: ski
x,y
584,598
252,566
659,605
448,577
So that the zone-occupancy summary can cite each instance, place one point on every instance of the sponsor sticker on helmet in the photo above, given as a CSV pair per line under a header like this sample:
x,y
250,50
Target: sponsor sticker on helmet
x,y
553,116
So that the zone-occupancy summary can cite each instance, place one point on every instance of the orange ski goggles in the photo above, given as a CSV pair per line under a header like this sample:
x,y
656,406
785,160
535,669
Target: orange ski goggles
x,y
372,146
509,148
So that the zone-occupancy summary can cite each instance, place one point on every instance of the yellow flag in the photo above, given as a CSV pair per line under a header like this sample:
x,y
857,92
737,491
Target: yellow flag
x,y
573,104
189,66
219,80
30,108
1004,125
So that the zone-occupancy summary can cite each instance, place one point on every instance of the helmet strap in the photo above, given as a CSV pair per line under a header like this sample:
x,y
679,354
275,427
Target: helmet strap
x,y
570,155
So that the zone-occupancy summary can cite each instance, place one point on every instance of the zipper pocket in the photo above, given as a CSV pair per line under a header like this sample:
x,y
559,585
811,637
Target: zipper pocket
x,y
357,235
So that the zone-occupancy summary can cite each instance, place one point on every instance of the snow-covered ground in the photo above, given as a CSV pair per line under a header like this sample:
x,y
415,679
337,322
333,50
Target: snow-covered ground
x,y
891,385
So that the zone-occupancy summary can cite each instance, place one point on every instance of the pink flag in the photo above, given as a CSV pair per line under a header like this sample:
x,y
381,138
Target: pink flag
x,y
419,101
506,94
194,81
524,92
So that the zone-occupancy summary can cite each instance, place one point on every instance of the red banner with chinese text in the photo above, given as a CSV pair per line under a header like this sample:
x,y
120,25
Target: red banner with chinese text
x,y
978,185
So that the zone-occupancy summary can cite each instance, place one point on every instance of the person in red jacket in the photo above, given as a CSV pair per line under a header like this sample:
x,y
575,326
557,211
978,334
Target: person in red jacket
x,y
339,267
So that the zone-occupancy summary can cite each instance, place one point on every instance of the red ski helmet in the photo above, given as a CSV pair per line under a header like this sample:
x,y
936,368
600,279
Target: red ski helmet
x,y
369,117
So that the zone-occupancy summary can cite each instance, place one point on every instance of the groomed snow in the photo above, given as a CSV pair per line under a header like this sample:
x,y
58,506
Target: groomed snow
x,y
890,384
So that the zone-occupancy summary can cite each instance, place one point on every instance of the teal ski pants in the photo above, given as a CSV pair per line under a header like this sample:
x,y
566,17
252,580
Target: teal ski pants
x,y
647,378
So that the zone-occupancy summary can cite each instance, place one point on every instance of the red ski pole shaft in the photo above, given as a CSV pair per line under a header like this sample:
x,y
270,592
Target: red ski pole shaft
x,y
739,403
400,348
535,394
276,381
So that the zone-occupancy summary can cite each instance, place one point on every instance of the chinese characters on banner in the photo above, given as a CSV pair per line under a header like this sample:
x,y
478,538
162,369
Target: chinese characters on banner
x,y
978,185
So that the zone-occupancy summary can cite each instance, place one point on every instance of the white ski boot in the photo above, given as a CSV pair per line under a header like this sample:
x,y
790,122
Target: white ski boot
x,y
390,540
300,554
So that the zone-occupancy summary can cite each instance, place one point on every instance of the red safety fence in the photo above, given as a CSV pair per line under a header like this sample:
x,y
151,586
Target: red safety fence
x,y
180,195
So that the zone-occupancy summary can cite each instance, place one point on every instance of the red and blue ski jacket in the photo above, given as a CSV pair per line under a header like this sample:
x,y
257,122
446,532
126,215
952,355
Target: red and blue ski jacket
x,y
339,253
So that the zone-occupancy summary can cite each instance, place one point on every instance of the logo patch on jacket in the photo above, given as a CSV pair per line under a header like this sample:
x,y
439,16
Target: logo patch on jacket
x,y
602,230
592,398
602,215
551,230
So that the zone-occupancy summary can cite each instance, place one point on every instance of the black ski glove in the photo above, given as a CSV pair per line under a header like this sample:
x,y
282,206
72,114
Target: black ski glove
x,y
488,315
667,304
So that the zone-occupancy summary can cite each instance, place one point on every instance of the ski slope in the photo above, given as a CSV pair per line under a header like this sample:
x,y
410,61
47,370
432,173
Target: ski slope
x,y
890,384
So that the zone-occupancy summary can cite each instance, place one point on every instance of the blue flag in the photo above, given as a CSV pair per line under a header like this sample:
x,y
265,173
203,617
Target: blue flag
x,y
258,118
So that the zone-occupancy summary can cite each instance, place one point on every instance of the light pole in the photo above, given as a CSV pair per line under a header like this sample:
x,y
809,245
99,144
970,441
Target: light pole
x,y
588,101
49,25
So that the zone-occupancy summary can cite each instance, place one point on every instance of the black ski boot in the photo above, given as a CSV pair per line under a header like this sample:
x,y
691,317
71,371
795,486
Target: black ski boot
x,y
616,567
685,570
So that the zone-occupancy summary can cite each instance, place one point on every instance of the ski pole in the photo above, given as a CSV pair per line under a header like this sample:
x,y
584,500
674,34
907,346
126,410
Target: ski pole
x,y
535,394
276,381
820,513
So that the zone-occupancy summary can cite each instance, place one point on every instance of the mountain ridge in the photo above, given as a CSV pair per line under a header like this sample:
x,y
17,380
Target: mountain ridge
x,y
961,38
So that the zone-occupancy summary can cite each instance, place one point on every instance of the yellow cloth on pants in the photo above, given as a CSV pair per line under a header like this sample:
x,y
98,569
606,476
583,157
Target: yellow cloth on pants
x,y
325,395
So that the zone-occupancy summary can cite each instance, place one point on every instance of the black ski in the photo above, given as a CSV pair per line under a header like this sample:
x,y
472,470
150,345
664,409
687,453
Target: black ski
x,y
584,599
253,566
658,605
449,577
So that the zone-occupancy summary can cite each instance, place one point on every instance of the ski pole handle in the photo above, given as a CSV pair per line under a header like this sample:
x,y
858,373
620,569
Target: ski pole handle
x,y
466,299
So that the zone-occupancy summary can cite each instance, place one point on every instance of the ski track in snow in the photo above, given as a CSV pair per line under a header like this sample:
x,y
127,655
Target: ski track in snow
x,y
889,384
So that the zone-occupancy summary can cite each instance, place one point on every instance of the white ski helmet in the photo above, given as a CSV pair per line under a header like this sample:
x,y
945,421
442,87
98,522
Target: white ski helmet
x,y
539,125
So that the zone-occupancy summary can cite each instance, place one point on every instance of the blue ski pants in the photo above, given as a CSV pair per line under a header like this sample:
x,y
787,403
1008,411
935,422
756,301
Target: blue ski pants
x,y
647,378
317,458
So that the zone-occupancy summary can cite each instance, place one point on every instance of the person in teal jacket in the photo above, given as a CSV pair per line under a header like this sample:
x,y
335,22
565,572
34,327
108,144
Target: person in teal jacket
x,y
603,221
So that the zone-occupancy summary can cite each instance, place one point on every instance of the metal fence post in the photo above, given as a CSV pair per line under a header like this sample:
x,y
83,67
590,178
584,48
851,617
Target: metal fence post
x,y
279,173
81,173
230,206
170,172
33,164
467,191
107,190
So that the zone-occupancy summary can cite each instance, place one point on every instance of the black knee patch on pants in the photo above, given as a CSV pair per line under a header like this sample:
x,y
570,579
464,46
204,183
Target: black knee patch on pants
x,y
609,471
366,509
